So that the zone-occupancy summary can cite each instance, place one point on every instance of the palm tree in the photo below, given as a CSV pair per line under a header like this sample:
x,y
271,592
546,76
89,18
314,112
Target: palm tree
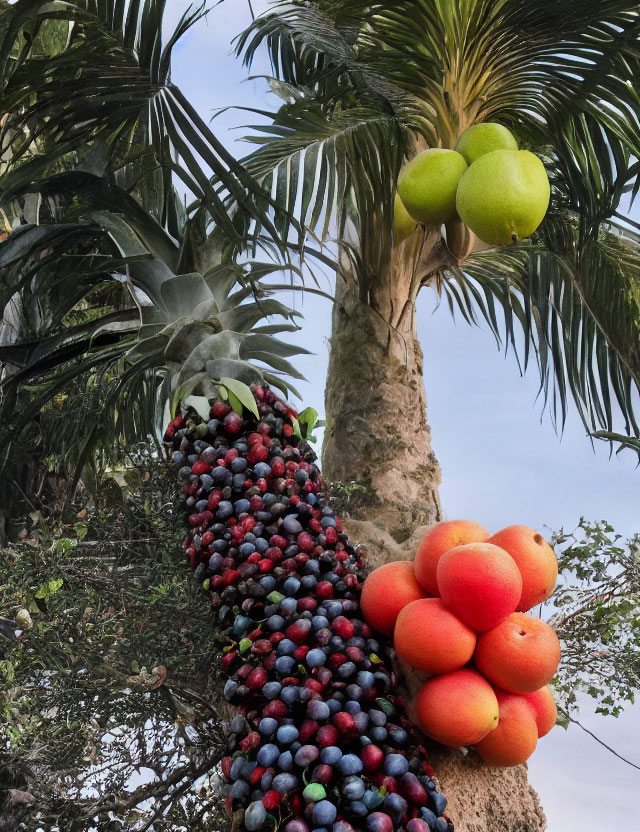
x,y
118,300
366,85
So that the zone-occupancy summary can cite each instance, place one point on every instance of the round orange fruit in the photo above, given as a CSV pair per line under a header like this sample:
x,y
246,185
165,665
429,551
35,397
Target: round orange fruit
x,y
520,655
480,583
432,639
386,591
436,542
458,708
535,559
516,736
544,708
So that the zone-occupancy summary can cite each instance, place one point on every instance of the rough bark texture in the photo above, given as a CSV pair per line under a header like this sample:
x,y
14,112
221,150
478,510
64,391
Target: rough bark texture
x,y
377,433
480,799
486,800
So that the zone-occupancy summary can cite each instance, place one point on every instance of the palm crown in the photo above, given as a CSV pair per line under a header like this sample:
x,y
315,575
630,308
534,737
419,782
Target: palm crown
x,y
364,85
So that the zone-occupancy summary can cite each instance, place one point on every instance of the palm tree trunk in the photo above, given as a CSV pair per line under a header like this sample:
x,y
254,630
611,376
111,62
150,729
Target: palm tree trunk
x,y
377,433
378,436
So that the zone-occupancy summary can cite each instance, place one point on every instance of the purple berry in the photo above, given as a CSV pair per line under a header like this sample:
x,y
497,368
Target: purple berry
x,y
306,755
284,783
379,822
324,813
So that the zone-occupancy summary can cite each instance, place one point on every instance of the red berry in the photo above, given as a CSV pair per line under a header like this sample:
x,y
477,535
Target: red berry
x,y
232,423
342,627
324,589
228,659
372,758
230,576
327,735
271,800
305,542
277,467
307,604
313,684
307,730
252,740
249,523
225,765
299,631
276,709
220,410
256,775
345,724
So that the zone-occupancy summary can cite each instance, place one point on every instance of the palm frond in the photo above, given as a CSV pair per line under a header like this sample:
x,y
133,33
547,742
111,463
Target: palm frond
x,y
110,87
578,307
314,158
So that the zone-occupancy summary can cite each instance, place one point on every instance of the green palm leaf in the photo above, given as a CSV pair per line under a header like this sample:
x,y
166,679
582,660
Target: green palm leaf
x,y
106,98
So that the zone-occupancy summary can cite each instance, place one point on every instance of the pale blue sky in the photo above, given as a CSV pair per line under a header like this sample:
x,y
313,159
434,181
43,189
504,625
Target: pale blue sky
x,y
501,464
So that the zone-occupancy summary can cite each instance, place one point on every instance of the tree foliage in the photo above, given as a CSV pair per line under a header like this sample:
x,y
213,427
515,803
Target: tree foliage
x,y
108,711
596,613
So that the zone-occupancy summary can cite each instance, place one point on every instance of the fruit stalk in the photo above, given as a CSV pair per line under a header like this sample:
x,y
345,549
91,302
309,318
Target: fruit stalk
x,y
321,739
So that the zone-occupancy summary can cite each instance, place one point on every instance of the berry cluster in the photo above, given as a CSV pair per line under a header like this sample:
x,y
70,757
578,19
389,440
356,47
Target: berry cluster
x,y
322,741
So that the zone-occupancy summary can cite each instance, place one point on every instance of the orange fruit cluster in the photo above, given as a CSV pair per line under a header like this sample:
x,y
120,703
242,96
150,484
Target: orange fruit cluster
x,y
458,614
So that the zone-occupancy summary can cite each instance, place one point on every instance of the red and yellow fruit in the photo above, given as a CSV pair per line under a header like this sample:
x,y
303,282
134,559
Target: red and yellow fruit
x,y
458,708
386,591
535,559
432,639
436,542
515,738
480,583
520,655
545,710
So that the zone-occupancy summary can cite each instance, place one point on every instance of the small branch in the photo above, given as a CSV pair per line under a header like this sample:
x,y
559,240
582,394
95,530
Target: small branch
x,y
597,739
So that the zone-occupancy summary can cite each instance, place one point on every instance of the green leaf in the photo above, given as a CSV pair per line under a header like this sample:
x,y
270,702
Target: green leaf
x,y
201,406
242,393
48,588
235,403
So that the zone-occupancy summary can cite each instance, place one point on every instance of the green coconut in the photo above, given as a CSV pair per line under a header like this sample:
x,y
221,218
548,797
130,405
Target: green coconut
x,y
504,195
404,223
484,138
427,185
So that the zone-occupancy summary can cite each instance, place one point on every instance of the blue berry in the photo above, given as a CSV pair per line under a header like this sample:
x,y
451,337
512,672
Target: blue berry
x,y
396,765
349,764
284,783
330,755
316,657
324,813
268,754
287,734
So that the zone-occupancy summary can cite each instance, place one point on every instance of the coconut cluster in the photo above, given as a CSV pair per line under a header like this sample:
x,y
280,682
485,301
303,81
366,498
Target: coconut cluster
x,y
322,740
499,192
